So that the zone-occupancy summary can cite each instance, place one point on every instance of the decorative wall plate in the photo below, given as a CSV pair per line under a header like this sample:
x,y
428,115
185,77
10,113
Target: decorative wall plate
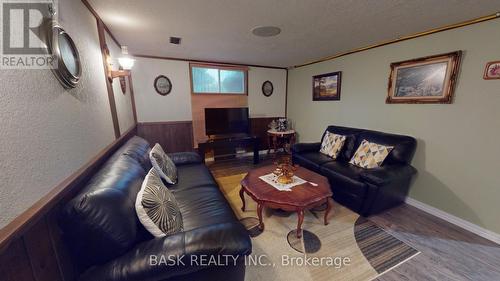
x,y
492,70
267,88
162,85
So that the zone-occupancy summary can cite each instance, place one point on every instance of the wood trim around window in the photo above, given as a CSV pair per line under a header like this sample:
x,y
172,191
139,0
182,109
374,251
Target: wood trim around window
x,y
220,67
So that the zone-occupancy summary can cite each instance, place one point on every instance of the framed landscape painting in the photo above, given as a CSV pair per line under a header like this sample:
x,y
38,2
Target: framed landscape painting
x,y
327,86
424,80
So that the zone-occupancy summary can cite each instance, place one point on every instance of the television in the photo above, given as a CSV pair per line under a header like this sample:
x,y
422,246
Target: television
x,y
225,121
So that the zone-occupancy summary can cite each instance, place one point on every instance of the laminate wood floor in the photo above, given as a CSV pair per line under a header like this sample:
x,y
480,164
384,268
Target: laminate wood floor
x,y
447,251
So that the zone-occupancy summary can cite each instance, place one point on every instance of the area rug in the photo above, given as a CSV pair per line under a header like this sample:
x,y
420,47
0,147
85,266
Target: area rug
x,y
350,247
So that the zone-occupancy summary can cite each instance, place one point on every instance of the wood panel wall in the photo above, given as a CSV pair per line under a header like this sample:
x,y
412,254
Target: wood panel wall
x,y
201,101
259,127
174,136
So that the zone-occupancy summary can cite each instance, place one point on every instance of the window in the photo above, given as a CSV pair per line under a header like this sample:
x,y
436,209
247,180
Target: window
x,y
215,79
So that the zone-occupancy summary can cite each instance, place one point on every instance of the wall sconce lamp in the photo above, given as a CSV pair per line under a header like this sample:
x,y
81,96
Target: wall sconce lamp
x,y
125,61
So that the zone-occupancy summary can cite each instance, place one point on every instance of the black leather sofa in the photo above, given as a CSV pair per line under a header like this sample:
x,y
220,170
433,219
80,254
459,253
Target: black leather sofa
x,y
365,191
102,231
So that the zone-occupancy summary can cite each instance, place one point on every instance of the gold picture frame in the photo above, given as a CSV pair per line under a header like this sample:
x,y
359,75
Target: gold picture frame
x,y
429,79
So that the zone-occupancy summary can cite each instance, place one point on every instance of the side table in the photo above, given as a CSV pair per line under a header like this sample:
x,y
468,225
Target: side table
x,y
279,140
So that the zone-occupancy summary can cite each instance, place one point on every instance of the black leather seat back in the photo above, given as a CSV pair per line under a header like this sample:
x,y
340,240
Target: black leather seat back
x,y
404,146
100,223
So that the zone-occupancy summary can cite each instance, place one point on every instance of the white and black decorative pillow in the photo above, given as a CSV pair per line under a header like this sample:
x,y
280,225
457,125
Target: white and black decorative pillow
x,y
157,208
163,164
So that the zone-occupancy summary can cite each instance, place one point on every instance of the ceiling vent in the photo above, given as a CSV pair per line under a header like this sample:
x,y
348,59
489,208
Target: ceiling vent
x,y
175,40
266,31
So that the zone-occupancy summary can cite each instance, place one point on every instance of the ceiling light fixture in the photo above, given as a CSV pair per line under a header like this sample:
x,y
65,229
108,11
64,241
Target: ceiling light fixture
x,y
266,31
125,61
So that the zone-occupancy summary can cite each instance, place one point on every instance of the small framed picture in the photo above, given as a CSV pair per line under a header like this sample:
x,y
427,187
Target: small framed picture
x,y
327,86
492,70
424,80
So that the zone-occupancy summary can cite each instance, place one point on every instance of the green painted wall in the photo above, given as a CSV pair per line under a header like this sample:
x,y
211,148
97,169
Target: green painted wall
x,y
458,155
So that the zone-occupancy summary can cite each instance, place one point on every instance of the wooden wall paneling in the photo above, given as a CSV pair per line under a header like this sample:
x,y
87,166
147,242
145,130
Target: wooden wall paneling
x,y
259,127
198,104
132,97
64,259
39,246
109,87
15,263
175,136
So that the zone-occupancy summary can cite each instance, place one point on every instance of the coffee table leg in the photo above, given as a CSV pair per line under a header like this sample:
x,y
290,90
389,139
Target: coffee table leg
x,y
299,224
329,205
259,213
242,196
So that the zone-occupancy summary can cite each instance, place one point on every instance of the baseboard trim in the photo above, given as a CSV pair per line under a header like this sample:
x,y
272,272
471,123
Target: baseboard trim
x,y
476,229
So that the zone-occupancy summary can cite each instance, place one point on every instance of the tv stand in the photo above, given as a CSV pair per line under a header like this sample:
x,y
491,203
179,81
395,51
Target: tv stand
x,y
230,142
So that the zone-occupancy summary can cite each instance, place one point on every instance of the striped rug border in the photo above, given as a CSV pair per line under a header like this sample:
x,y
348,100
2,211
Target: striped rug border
x,y
383,251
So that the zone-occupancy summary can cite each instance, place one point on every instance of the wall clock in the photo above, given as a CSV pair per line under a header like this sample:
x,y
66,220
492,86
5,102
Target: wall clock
x,y
64,51
162,85
267,88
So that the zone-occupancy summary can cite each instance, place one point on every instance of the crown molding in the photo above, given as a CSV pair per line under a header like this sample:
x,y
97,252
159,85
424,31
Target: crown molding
x,y
404,38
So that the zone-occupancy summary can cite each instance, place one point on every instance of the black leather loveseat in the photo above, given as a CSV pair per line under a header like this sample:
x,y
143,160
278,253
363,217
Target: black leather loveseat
x,y
365,191
101,228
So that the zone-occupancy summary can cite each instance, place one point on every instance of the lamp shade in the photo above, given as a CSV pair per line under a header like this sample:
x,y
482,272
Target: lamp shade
x,y
126,62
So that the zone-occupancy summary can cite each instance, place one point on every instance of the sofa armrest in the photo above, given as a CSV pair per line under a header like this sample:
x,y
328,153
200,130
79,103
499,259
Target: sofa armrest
x,y
387,174
176,255
184,158
306,147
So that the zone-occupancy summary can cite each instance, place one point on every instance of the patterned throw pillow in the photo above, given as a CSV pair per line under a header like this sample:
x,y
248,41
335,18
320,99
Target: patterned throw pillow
x,y
157,208
163,164
332,144
370,155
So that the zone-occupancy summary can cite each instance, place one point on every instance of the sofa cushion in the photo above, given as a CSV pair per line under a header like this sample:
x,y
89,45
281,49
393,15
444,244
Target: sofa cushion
x,y
203,206
163,165
404,146
312,160
332,145
138,149
100,223
370,155
157,207
344,176
193,175
199,198
350,144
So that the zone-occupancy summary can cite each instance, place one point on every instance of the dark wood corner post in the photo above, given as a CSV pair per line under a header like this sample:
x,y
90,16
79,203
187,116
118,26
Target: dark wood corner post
x,y
132,98
109,86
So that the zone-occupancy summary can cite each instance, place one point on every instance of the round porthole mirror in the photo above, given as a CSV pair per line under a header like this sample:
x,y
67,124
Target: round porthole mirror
x,y
68,68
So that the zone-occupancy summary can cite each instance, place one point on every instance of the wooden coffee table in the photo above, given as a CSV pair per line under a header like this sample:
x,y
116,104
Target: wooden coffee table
x,y
300,198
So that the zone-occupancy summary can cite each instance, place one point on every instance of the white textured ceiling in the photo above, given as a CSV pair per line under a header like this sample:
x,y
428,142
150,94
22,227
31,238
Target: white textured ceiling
x,y
220,30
